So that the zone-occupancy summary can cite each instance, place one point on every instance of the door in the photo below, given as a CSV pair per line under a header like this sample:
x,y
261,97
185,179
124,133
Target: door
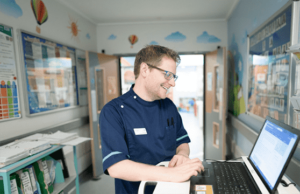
x,y
215,105
103,86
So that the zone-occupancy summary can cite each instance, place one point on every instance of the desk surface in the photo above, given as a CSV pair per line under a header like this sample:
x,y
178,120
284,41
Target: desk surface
x,y
185,188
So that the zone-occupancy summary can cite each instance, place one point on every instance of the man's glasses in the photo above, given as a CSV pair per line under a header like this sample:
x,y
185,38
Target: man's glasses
x,y
168,75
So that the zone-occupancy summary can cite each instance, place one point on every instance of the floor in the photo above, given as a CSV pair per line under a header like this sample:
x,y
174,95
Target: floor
x,y
105,185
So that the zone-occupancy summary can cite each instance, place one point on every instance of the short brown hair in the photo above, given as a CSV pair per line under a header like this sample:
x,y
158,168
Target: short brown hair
x,y
152,54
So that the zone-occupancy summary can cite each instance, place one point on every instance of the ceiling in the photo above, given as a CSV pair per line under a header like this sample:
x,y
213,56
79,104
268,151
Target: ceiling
x,y
142,11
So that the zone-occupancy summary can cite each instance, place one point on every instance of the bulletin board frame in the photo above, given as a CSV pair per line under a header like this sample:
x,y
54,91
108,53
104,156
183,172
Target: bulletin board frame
x,y
10,110
268,67
294,50
81,68
34,109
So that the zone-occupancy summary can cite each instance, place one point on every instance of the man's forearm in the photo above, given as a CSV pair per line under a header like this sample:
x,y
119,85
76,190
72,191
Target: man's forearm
x,y
134,171
183,149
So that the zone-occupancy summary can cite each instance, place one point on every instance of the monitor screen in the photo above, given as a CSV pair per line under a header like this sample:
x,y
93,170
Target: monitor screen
x,y
271,151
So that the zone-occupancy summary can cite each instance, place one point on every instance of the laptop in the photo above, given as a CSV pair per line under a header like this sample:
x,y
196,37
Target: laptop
x,y
260,172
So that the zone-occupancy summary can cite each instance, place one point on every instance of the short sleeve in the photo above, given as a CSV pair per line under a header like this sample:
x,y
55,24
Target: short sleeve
x,y
114,146
181,136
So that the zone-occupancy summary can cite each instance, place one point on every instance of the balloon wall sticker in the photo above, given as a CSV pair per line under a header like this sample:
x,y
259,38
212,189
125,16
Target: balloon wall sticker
x,y
40,13
132,39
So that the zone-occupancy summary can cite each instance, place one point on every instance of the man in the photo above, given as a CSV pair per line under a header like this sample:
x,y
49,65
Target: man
x,y
142,127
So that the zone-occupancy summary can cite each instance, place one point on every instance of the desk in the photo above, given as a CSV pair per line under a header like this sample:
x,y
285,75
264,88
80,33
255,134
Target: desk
x,y
185,187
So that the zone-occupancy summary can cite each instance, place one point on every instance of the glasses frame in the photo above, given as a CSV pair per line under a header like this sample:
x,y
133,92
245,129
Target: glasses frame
x,y
175,77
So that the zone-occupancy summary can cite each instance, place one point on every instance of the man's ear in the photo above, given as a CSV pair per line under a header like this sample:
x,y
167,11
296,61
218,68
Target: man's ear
x,y
144,69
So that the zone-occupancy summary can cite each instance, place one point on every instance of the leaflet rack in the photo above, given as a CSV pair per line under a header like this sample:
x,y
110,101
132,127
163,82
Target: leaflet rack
x,y
6,171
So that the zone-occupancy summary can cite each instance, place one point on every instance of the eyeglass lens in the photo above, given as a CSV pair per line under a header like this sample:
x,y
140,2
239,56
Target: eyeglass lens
x,y
169,76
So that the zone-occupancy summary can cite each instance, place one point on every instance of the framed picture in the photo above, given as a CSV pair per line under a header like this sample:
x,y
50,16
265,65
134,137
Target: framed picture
x,y
271,40
50,74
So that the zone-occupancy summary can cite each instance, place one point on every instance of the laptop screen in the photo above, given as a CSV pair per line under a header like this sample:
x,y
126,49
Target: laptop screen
x,y
271,151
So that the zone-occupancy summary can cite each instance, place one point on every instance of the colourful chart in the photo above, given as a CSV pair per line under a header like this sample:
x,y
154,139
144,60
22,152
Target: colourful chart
x,y
9,106
9,99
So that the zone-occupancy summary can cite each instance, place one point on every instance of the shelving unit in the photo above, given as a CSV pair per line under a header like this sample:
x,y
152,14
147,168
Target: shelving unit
x,y
59,187
6,171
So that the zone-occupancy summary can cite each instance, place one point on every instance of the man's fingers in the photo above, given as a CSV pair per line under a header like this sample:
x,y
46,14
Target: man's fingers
x,y
196,160
202,167
197,165
173,162
195,173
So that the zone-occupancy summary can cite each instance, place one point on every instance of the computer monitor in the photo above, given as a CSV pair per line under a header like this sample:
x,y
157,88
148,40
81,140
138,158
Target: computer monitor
x,y
273,150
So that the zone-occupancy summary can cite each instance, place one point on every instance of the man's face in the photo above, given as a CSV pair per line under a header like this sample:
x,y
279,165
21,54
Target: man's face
x,y
156,83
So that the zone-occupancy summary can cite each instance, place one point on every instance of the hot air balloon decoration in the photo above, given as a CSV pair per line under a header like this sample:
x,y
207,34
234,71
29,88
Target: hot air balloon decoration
x,y
132,39
40,12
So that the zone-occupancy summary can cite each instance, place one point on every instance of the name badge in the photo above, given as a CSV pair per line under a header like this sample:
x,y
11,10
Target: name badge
x,y
140,131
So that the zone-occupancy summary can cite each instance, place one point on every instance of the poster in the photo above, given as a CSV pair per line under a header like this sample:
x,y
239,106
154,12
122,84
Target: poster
x,y
9,96
50,74
268,70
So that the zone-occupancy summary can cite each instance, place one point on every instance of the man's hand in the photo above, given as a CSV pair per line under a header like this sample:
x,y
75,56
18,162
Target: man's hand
x,y
184,171
182,155
178,159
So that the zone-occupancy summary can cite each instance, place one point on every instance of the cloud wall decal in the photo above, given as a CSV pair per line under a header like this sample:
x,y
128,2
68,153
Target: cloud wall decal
x,y
11,8
206,38
153,43
88,36
112,37
175,37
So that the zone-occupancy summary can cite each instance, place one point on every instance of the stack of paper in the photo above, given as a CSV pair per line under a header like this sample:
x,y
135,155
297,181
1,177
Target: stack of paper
x,y
36,137
60,137
9,156
54,138
32,146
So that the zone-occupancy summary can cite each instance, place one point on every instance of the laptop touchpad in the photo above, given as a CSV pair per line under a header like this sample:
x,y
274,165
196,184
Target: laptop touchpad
x,y
204,174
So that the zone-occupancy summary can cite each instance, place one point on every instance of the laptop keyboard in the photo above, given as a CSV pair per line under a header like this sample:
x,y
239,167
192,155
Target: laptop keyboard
x,y
230,178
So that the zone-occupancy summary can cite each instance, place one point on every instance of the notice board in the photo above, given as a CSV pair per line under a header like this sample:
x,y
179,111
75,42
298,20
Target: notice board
x,y
50,74
268,67
9,95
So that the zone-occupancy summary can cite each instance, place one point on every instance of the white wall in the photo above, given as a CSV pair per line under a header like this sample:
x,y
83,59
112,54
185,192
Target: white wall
x,y
55,28
148,32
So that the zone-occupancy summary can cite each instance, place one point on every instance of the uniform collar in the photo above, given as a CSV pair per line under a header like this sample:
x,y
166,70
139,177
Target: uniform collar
x,y
140,100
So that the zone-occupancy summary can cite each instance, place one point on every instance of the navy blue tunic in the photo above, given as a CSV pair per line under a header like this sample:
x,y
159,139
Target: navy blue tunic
x,y
141,131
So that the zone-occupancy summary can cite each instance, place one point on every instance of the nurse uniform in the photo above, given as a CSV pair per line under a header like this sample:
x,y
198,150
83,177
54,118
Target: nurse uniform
x,y
141,131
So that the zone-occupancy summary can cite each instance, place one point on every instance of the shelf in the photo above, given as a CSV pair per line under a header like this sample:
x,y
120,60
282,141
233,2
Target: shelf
x,y
29,160
7,170
61,186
